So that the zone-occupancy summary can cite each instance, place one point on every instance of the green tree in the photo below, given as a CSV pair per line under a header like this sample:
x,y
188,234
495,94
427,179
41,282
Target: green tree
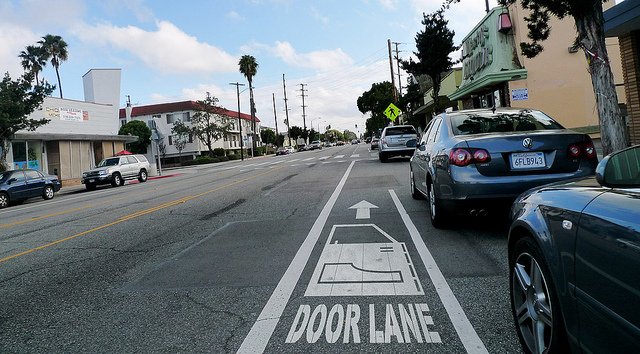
x,y
268,136
412,99
249,68
375,101
18,99
55,48
208,124
349,135
589,21
33,59
296,132
434,44
180,133
141,130
313,135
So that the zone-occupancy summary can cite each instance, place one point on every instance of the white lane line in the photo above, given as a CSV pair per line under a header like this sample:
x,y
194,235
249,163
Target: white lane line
x,y
467,334
309,158
338,156
258,338
355,155
324,157
294,160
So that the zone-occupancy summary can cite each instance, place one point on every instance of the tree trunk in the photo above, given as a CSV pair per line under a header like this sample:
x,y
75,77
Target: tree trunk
x,y
59,83
591,36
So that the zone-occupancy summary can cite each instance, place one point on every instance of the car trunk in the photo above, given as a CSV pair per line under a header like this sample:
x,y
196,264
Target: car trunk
x,y
548,152
398,140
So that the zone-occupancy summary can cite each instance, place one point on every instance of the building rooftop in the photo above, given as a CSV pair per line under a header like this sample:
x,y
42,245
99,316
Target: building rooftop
x,y
171,107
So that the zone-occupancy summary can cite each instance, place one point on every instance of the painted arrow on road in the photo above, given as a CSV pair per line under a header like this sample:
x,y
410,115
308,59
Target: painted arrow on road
x,y
363,209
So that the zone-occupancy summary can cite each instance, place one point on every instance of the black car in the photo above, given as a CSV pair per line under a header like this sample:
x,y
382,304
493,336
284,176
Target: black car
x,y
18,185
574,260
472,160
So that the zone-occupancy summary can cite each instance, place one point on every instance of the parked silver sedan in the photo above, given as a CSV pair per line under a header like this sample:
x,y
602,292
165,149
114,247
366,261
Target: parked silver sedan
x,y
468,161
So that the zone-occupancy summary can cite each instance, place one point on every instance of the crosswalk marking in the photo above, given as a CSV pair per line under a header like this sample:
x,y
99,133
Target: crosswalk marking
x,y
355,155
309,158
324,158
338,156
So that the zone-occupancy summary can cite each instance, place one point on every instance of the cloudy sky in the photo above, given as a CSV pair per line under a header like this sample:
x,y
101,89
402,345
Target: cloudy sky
x,y
178,50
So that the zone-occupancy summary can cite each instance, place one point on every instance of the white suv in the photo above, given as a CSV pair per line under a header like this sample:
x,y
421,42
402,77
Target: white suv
x,y
399,140
116,170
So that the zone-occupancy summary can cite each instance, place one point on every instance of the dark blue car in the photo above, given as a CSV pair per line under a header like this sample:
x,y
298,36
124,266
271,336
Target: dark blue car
x,y
574,260
19,185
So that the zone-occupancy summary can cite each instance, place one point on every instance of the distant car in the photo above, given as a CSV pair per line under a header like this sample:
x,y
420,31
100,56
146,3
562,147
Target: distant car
x,y
468,161
375,144
18,185
303,147
399,140
285,150
340,143
115,170
573,261
367,140
354,141
316,144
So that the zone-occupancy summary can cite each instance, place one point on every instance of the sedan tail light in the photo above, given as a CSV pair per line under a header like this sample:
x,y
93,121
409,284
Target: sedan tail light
x,y
585,149
463,157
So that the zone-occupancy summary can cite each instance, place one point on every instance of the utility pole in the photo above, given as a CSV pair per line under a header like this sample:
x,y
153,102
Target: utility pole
x,y
275,116
487,3
393,79
286,110
237,85
304,117
397,58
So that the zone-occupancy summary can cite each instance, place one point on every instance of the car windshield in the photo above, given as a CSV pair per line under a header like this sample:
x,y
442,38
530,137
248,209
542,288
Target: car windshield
x,y
109,162
499,122
400,131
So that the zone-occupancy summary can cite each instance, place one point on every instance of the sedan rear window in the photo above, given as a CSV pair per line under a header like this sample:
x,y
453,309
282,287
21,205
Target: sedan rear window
x,y
400,131
499,122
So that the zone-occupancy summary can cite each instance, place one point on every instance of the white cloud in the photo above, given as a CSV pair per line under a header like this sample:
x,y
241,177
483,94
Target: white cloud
x,y
318,16
320,60
233,15
14,39
388,4
167,49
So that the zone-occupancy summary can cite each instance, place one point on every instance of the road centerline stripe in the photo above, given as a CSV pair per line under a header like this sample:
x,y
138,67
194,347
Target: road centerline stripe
x,y
467,334
258,337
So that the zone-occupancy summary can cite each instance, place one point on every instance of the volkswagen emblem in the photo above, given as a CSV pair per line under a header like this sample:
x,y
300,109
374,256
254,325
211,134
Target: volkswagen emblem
x,y
527,143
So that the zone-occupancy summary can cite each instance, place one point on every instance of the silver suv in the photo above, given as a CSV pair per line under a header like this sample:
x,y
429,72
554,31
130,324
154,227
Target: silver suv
x,y
116,170
399,140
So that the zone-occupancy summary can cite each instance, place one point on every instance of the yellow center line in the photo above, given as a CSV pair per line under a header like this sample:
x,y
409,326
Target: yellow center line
x,y
136,215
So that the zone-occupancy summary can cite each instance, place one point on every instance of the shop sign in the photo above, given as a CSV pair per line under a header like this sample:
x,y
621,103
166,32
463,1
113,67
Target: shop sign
x,y
478,53
66,114
520,94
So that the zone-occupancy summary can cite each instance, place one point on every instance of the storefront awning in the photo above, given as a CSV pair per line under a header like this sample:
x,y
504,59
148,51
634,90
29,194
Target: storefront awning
x,y
84,137
488,80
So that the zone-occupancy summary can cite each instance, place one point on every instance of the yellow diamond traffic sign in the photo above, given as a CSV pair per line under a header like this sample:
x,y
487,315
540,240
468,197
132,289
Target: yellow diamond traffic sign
x,y
392,112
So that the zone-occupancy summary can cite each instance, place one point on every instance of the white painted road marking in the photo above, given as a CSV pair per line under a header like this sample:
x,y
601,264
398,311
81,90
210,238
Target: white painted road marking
x,y
467,334
363,209
258,338
324,157
379,265
337,156
355,155
309,158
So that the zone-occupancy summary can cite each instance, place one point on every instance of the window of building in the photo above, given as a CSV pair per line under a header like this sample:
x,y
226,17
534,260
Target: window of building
x,y
190,137
171,118
170,140
186,117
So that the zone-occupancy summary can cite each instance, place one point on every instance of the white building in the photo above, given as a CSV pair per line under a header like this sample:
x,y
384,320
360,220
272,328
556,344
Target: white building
x,y
79,134
166,114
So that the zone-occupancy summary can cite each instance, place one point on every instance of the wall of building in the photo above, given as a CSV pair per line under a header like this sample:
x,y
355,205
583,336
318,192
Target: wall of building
x,y
630,47
76,117
558,81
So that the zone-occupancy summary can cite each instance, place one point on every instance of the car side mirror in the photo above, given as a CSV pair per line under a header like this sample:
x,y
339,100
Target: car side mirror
x,y
620,169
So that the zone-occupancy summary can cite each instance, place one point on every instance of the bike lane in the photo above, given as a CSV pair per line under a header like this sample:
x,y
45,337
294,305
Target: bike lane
x,y
363,280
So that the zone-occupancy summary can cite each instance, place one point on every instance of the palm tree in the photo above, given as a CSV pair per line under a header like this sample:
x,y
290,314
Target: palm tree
x,y
33,60
249,68
55,48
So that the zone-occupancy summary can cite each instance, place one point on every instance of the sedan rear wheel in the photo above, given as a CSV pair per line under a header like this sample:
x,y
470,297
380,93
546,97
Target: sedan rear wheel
x,y
534,303
4,200
438,219
48,193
